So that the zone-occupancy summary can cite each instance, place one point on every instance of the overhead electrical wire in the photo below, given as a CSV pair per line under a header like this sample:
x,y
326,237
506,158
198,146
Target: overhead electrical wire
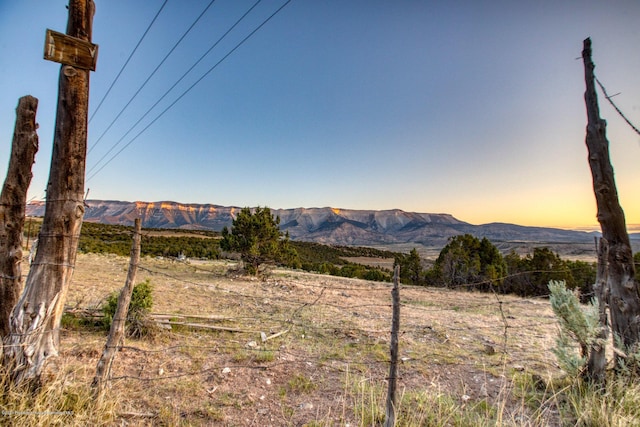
x,y
117,77
174,85
127,62
189,89
153,73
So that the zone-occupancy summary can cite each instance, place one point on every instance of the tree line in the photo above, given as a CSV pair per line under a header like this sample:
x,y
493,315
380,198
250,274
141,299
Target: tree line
x,y
467,262
307,256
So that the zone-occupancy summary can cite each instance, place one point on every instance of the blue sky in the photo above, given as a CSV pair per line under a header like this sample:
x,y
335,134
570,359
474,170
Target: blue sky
x,y
473,108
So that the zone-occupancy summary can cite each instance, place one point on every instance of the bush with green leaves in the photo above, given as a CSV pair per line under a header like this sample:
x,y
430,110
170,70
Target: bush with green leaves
x,y
579,327
138,324
411,268
530,275
467,260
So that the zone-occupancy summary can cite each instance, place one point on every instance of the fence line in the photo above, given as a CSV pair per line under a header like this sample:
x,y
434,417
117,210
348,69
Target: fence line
x,y
342,321
384,287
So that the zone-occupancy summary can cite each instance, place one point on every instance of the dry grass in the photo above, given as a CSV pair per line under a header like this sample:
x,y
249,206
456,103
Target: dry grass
x,y
64,399
467,358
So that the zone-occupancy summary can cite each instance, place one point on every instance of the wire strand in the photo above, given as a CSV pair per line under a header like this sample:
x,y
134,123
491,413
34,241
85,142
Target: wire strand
x,y
616,107
153,73
125,64
189,89
172,87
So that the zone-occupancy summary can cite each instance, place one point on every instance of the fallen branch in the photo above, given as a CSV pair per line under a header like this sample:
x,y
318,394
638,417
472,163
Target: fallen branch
x,y
266,338
137,415
86,313
162,316
201,326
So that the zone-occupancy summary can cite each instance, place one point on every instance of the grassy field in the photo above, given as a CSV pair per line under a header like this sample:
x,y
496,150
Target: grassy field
x,y
302,349
467,358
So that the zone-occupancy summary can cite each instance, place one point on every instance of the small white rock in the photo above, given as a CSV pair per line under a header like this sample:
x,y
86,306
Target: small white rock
x,y
226,370
483,391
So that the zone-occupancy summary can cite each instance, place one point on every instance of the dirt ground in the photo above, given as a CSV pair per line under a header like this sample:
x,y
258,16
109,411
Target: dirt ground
x,y
304,349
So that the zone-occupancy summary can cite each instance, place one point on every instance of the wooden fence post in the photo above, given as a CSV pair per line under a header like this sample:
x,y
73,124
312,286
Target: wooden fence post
x,y
624,299
116,333
35,320
13,200
597,356
392,400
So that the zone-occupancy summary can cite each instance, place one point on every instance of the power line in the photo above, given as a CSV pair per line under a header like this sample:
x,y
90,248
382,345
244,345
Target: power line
x,y
153,73
190,88
127,62
174,85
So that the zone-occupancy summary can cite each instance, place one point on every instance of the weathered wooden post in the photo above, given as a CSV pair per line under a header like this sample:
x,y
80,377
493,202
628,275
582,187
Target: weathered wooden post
x,y
116,333
13,200
597,356
392,400
34,329
624,299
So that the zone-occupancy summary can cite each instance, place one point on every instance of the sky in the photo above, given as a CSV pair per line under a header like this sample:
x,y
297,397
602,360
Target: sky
x,y
472,108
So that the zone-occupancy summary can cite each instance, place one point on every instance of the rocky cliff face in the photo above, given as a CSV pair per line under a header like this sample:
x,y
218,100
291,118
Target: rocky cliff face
x,y
322,225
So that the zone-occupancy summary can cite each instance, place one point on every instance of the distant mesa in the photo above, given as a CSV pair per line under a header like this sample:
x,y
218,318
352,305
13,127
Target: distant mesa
x,y
322,225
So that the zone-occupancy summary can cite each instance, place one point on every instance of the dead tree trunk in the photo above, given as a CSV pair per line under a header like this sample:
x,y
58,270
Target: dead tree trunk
x,y
597,356
624,300
392,400
116,333
13,200
36,318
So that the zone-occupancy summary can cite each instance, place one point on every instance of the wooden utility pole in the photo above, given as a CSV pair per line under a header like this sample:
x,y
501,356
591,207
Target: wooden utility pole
x,y
116,333
624,300
13,200
392,400
35,321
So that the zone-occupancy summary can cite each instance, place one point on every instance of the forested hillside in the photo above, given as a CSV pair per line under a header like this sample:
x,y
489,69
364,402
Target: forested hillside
x,y
465,263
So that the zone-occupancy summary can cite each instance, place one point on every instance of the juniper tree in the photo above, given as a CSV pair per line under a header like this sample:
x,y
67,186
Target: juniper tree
x,y
256,236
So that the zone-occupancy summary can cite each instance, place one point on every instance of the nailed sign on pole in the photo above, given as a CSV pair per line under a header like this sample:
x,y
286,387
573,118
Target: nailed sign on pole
x,y
69,50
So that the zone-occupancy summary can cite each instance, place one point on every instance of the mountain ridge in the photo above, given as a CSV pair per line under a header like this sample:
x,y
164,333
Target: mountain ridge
x,y
322,225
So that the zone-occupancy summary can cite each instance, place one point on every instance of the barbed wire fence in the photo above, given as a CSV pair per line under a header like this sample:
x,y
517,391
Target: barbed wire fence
x,y
279,323
615,107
